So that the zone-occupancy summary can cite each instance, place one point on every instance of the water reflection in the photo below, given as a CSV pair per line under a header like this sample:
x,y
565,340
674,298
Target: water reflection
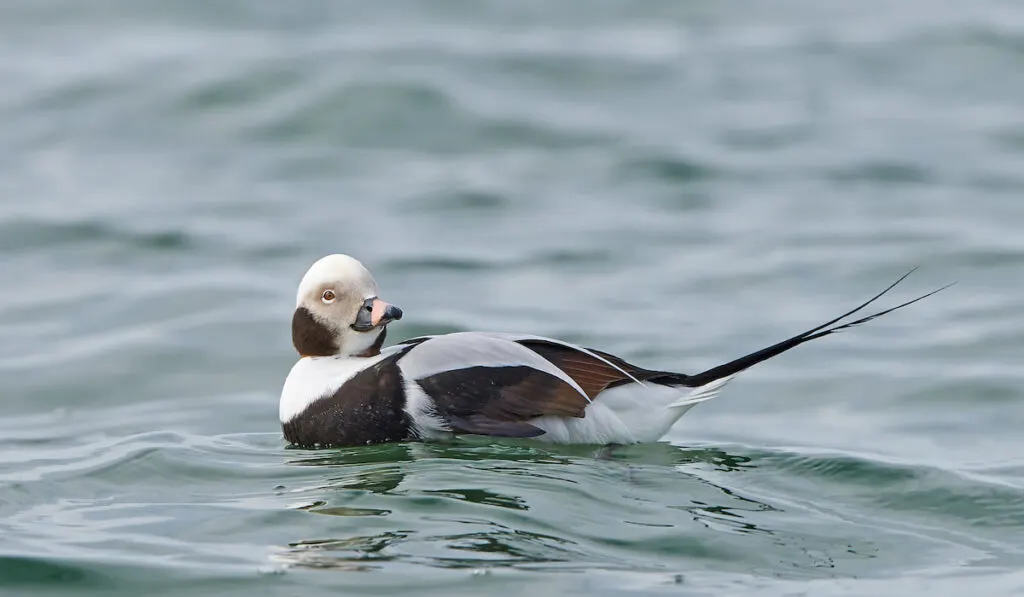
x,y
382,469
462,498
356,554
481,496
321,507
493,548
482,449
348,456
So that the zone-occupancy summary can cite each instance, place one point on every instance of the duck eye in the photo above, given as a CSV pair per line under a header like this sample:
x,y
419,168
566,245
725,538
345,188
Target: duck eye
x,y
328,296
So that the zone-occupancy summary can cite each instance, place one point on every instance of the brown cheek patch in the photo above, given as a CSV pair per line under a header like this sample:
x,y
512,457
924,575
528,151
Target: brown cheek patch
x,y
310,337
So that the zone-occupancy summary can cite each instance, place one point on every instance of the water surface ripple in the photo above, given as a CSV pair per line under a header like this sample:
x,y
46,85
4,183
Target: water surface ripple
x,y
677,183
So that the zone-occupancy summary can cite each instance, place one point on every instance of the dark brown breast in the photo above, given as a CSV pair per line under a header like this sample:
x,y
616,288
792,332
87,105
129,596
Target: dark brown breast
x,y
367,409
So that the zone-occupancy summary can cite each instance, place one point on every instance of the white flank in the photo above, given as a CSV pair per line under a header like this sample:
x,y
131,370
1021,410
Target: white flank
x,y
420,407
627,414
461,350
313,378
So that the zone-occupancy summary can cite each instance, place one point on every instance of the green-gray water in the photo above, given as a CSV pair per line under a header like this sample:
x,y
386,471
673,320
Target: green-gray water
x,y
675,182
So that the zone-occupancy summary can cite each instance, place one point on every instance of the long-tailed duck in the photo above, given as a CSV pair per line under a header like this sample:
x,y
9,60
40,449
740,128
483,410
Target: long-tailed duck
x,y
347,390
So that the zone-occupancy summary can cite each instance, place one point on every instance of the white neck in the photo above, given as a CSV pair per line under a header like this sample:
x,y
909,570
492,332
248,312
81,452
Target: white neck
x,y
357,343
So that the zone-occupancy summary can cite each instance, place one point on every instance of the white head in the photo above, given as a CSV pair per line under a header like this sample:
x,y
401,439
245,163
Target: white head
x,y
337,311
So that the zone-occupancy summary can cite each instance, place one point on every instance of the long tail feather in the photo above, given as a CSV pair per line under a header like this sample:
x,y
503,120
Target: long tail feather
x,y
702,393
744,362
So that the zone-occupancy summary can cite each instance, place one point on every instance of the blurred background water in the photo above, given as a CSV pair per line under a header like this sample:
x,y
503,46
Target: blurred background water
x,y
676,182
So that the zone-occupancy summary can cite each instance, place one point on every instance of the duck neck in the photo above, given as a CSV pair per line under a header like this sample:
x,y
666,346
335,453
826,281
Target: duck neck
x,y
374,349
